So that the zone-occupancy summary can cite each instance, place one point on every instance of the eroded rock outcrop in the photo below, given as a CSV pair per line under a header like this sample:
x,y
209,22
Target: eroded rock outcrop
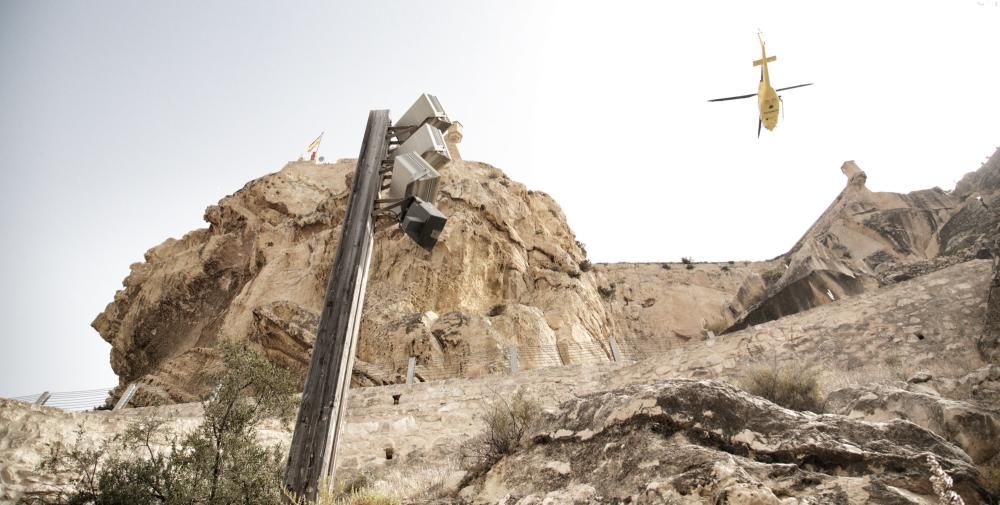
x,y
685,441
861,234
259,272
975,430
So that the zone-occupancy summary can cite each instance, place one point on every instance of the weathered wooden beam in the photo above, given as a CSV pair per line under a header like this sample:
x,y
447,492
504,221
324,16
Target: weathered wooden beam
x,y
325,396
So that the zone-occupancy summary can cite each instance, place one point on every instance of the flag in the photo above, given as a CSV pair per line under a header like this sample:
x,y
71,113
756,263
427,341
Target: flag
x,y
315,144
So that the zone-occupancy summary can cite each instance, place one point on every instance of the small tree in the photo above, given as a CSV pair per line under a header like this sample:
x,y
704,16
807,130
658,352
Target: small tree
x,y
219,462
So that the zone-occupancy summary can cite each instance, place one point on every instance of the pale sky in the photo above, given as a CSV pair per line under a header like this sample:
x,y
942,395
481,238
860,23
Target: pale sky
x,y
121,121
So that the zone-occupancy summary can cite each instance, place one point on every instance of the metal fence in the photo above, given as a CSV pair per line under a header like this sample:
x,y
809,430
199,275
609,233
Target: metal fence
x,y
79,401
513,359
492,361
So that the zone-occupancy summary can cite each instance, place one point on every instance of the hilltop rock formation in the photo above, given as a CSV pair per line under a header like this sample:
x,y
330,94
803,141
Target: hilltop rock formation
x,y
684,441
507,270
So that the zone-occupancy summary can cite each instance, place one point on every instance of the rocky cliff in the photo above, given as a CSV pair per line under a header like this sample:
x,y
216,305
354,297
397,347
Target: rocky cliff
x,y
507,270
868,239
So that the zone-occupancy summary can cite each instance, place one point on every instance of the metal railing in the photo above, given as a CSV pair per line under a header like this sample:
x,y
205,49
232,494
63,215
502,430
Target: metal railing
x,y
79,401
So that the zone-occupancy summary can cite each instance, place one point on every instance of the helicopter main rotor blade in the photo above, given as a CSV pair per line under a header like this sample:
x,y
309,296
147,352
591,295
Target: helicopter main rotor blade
x,y
793,87
733,97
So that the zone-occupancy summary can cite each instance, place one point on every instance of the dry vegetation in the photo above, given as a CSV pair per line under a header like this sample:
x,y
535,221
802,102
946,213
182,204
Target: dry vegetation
x,y
507,421
792,386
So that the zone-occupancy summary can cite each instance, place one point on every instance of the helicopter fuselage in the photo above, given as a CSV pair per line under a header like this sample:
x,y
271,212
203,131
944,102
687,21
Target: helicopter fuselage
x,y
767,99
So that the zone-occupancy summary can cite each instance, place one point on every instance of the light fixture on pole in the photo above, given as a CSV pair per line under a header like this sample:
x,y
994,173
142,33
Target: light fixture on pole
x,y
422,222
426,110
412,176
428,143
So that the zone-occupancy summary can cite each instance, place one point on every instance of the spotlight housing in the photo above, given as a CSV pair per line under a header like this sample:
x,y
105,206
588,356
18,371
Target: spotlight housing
x,y
428,143
426,110
412,176
423,223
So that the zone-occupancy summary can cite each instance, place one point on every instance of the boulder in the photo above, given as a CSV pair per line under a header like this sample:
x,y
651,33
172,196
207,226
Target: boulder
x,y
683,441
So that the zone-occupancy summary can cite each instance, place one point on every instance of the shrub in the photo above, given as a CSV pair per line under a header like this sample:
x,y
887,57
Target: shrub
x,y
366,495
725,268
666,266
507,422
771,276
689,266
791,386
586,265
607,292
686,260
219,462
990,478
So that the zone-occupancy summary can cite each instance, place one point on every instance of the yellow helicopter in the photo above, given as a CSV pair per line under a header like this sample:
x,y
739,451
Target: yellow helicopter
x,y
768,101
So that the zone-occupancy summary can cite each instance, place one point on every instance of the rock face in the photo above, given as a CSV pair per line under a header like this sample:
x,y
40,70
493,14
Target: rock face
x,y
975,430
506,271
685,441
977,221
861,235
660,306
882,336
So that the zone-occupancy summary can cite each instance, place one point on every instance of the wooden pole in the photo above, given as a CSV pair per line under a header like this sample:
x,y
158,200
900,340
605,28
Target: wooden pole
x,y
310,457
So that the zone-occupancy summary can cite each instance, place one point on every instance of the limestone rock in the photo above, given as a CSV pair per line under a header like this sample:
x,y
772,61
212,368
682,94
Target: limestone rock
x,y
975,430
977,222
259,272
662,305
860,234
686,441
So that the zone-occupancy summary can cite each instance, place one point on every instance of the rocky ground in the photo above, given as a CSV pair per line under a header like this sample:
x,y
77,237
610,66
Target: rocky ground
x,y
664,429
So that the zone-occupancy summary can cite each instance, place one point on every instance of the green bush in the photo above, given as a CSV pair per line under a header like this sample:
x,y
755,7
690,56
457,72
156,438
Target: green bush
x,y
219,462
791,386
687,260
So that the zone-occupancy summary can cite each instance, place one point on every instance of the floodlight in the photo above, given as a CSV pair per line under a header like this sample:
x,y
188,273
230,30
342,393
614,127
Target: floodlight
x,y
423,223
426,110
412,176
428,143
